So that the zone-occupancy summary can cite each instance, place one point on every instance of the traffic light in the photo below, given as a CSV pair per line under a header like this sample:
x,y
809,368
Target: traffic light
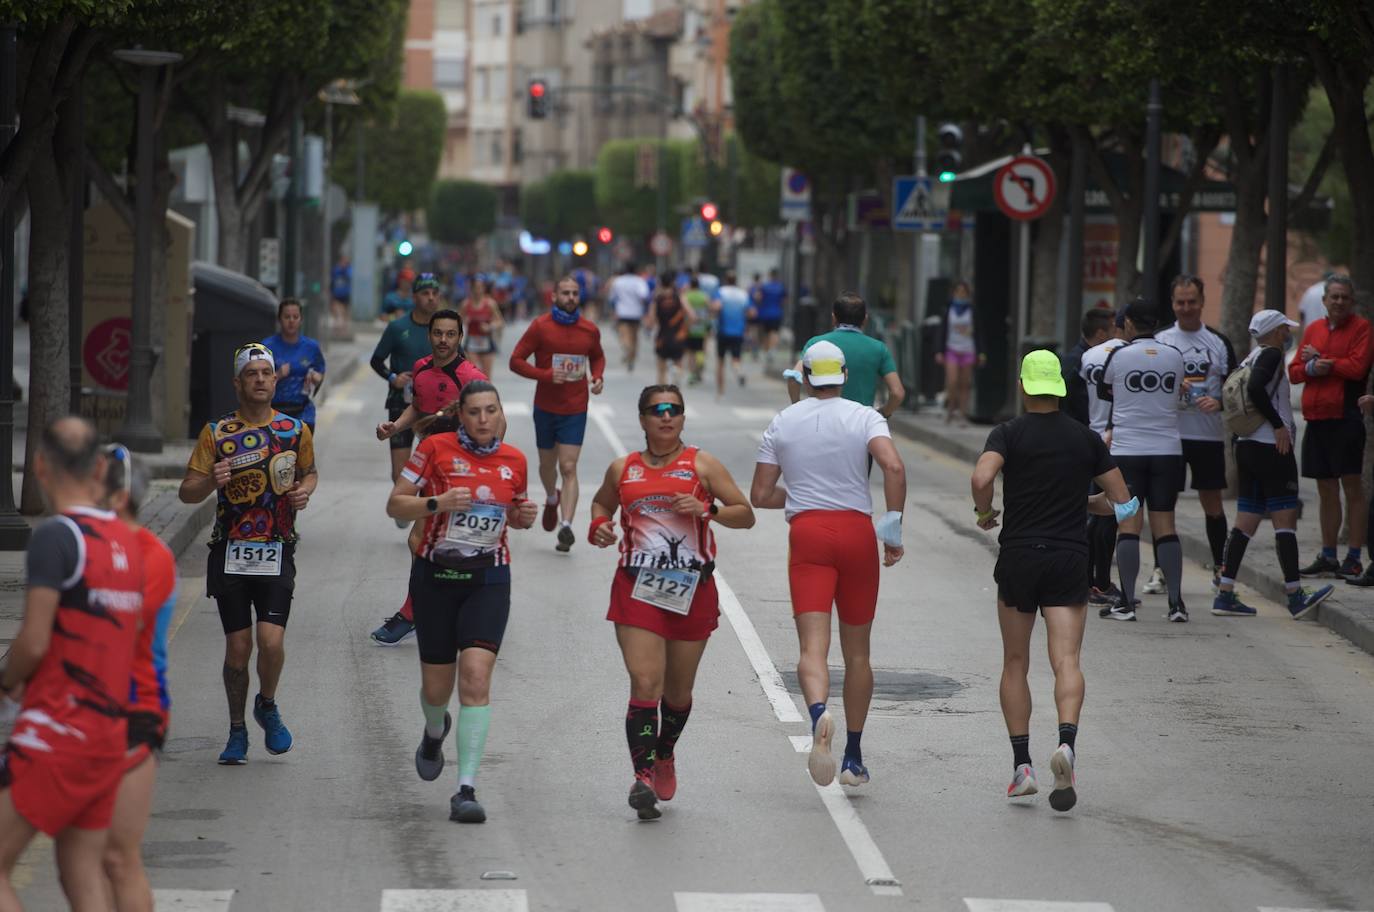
x,y
538,96
579,248
716,227
604,235
709,212
405,248
949,159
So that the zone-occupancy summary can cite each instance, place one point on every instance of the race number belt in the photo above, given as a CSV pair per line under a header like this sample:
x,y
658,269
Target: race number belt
x,y
572,367
478,527
244,558
669,589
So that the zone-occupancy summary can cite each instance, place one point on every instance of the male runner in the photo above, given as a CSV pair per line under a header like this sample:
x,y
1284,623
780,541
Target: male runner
x,y
731,308
300,364
821,447
260,465
1143,380
405,341
1094,329
629,298
1101,529
768,310
867,360
69,669
1048,460
567,352
699,305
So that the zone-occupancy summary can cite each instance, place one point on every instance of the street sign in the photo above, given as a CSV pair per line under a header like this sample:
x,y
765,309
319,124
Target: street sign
x,y
694,233
916,206
661,245
269,261
1024,188
796,196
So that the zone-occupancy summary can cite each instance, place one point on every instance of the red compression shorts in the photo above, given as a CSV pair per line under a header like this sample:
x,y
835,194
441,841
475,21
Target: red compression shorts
x,y
53,793
833,559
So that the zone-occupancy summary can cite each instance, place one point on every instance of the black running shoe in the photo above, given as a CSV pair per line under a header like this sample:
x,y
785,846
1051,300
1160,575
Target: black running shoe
x,y
1350,567
464,807
429,756
565,539
1178,612
1322,566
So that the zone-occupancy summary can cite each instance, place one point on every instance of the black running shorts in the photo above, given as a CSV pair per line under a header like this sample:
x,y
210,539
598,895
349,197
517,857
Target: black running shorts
x,y
729,346
458,609
404,439
1332,447
1205,461
1266,480
238,596
1033,577
1154,479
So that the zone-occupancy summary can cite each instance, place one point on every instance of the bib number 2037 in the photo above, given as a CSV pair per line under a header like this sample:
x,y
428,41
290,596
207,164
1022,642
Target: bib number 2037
x,y
479,527
243,558
671,590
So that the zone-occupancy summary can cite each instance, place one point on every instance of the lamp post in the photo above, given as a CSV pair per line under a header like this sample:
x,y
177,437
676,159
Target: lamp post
x,y
139,432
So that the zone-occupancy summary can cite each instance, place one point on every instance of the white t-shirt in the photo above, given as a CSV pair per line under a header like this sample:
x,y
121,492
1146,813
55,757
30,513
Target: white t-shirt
x,y
961,332
821,445
1311,307
1207,361
1146,381
1090,369
629,296
1280,396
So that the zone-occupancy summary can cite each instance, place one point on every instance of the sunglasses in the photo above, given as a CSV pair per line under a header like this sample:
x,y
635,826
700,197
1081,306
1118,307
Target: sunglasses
x,y
669,409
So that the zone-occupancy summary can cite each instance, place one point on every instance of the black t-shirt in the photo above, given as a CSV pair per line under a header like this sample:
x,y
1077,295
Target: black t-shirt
x,y
1051,461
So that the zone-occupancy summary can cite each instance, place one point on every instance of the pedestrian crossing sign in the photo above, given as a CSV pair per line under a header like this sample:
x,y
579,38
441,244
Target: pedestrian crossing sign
x,y
915,206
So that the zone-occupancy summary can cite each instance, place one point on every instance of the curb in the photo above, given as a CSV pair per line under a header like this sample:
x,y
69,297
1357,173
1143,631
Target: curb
x,y
185,529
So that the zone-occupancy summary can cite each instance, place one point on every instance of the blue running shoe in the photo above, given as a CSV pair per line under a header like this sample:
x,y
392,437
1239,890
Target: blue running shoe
x,y
277,739
236,751
1304,600
1228,604
852,772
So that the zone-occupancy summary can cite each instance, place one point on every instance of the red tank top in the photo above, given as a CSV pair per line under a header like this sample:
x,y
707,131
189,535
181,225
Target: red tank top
x,y
480,315
74,704
148,691
655,536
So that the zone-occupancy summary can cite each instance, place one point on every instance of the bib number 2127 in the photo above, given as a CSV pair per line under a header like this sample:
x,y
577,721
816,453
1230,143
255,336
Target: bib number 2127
x,y
671,590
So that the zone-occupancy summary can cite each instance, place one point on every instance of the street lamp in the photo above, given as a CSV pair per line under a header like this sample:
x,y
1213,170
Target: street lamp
x,y
139,433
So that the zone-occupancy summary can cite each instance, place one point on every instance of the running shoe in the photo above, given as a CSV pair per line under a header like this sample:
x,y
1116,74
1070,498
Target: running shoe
x,y
852,772
1228,604
1155,585
393,630
465,808
665,778
1178,612
565,539
236,750
1350,567
277,738
1322,566
1117,611
550,518
1304,600
1063,796
1365,580
1023,782
642,797
1100,597
820,762
429,756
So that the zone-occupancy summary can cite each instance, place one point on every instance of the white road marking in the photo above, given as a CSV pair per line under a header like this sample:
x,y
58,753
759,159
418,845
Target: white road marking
x,y
783,705
1033,905
517,409
1286,909
748,902
346,406
192,900
601,417
454,901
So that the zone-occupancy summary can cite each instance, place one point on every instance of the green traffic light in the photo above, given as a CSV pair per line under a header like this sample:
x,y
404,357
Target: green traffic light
x,y
947,177
405,247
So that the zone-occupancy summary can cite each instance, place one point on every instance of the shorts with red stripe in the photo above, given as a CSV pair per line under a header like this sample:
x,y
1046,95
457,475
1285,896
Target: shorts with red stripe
x,y
701,618
56,793
833,560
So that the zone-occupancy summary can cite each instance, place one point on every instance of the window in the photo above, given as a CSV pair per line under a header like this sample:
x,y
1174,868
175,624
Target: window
x,y
500,88
637,9
496,25
450,72
482,76
517,147
498,153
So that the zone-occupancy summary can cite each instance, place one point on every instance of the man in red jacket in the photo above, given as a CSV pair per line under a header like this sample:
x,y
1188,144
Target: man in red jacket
x,y
1332,366
567,355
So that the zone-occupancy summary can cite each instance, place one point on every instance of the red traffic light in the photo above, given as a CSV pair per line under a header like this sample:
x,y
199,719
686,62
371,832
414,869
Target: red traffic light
x,y
537,89
709,211
604,235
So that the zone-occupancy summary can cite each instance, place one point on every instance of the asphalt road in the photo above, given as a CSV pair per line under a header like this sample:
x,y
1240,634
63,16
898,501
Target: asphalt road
x,y
1223,765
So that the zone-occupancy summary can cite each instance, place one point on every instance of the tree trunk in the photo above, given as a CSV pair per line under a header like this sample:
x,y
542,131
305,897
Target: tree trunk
x,y
1357,157
1049,238
1243,257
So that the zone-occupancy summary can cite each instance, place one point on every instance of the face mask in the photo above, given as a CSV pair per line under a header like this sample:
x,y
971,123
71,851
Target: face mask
x,y
566,317
960,304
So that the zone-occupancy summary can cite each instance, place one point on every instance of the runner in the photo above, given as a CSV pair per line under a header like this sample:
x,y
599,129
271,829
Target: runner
x,y
1101,529
663,600
404,342
481,323
69,669
1143,381
698,328
867,360
300,364
1267,472
820,446
467,487
768,311
437,380
731,308
1094,329
567,352
629,298
672,320
126,485
399,301
1048,460
260,465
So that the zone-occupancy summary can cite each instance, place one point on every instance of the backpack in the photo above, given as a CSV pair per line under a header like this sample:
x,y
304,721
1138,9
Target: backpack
x,y
1237,411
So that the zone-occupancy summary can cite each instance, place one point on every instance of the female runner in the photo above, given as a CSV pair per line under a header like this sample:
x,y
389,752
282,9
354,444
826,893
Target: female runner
x,y
663,600
481,321
468,487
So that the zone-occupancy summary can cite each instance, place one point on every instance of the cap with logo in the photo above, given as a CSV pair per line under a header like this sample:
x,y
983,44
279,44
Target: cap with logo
x,y
1041,374
252,352
426,280
1266,321
825,363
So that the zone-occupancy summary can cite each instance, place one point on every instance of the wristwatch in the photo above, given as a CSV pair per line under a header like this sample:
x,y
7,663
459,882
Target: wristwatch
x,y
433,504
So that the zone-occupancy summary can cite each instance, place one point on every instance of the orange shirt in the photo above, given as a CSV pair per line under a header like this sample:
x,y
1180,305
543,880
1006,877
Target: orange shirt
x,y
477,537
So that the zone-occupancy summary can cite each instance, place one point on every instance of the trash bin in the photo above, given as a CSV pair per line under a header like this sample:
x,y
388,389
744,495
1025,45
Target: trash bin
x,y
930,376
231,310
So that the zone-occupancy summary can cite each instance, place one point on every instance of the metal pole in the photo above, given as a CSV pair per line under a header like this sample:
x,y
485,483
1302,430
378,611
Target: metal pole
x,y
1276,240
139,432
76,254
918,238
360,185
1073,292
1023,248
1153,114
324,306
14,531
661,160
293,211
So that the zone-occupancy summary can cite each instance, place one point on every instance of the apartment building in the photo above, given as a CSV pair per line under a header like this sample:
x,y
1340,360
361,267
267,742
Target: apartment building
x,y
437,58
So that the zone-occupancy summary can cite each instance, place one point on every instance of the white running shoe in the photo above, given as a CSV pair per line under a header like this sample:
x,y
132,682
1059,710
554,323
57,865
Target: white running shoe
x,y
1061,764
1156,584
821,762
1023,782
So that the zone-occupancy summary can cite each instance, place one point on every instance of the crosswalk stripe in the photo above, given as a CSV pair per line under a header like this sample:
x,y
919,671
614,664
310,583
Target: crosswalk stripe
x,y
748,902
454,901
192,900
1033,905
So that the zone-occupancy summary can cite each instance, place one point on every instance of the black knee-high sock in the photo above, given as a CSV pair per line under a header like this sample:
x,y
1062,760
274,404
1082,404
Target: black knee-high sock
x,y
1235,553
1216,537
1106,551
1169,555
1286,542
641,733
674,721
1128,565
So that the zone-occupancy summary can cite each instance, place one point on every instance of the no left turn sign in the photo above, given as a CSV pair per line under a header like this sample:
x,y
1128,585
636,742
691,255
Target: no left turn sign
x,y
1024,188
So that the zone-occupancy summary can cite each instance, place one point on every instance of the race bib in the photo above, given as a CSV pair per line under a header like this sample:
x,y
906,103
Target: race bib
x,y
669,589
572,367
244,558
478,527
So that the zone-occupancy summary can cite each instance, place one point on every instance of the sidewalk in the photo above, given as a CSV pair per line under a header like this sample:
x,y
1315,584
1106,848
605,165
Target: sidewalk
x,y
1349,611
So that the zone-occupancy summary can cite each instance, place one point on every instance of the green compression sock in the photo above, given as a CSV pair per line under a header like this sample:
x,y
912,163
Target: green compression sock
x,y
434,717
473,722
